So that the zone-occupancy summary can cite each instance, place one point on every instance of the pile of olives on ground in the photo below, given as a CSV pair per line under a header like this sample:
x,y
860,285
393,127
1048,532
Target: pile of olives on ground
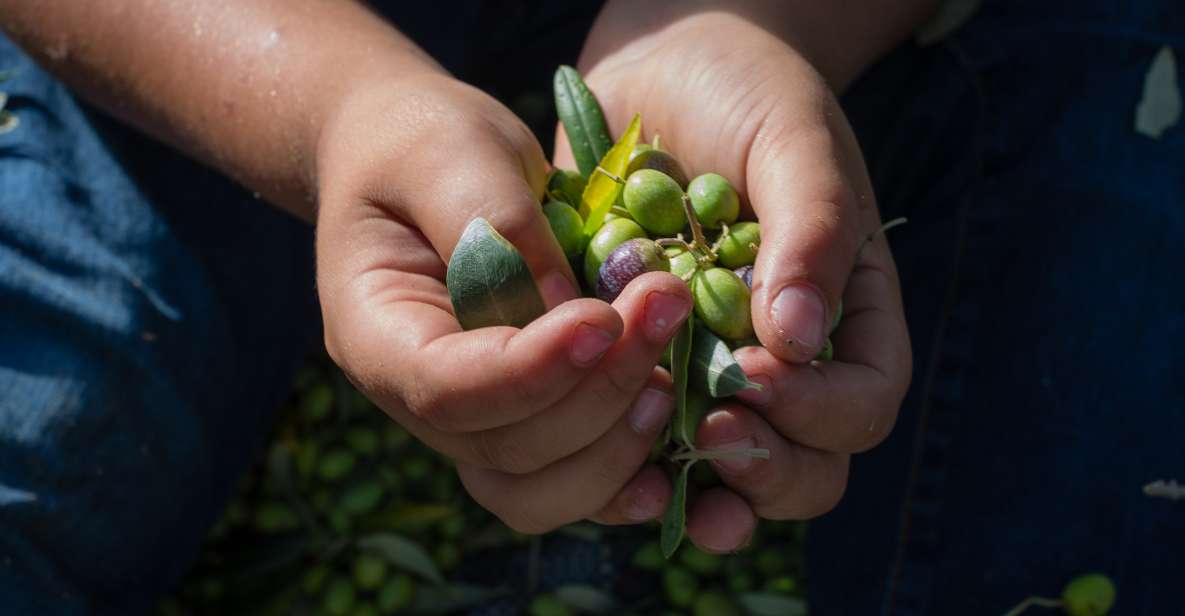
x,y
664,222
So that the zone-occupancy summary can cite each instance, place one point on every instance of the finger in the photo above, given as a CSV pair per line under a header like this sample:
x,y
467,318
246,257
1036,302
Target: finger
x,y
653,307
810,191
720,521
573,488
850,404
645,497
796,482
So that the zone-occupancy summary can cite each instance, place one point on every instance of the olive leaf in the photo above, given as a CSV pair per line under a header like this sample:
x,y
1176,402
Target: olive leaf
x,y
674,522
583,120
605,186
685,423
680,358
713,368
1159,108
587,599
489,282
403,553
771,604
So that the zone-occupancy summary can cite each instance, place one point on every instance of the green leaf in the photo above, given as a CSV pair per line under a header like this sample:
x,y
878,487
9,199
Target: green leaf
x,y
1160,106
587,599
680,358
583,120
713,368
698,404
489,282
602,189
771,604
403,553
674,522
410,518
452,598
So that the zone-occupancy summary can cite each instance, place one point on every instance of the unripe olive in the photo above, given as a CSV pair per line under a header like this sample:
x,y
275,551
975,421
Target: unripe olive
x,y
722,303
741,581
416,469
567,227
338,600
630,259
646,157
396,594
680,585
655,201
336,464
714,603
683,262
608,237
362,498
649,557
1092,594
699,561
770,562
784,585
714,200
364,441
369,571
736,249
566,185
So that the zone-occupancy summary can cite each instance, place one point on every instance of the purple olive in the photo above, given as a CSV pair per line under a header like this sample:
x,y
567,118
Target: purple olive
x,y
628,261
746,274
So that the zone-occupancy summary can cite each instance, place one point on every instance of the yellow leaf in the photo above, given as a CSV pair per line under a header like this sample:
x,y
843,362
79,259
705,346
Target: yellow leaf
x,y
602,190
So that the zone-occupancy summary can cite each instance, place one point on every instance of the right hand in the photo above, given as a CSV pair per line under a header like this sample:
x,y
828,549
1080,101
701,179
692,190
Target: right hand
x,y
549,424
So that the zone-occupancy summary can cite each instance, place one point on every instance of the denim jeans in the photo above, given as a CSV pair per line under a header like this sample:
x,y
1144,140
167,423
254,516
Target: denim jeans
x,y
153,315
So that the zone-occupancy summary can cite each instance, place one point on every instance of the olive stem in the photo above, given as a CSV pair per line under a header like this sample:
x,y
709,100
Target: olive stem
x,y
716,454
620,211
1033,601
697,231
896,222
611,176
676,242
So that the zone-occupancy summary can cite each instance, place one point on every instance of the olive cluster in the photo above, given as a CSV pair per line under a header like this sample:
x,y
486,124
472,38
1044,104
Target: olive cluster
x,y
664,221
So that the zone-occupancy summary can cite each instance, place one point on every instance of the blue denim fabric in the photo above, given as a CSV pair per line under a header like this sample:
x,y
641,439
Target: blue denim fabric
x,y
1041,272
151,315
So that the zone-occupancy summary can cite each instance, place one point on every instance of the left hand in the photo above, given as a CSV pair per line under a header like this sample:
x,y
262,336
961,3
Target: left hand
x,y
728,97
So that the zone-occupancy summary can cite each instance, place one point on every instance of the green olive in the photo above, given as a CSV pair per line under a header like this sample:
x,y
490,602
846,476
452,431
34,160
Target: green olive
x,y
1092,594
737,248
714,200
336,464
370,571
416,469
646,157
338,599
655,201
722,303
699,561
683,262
397,593
714,603
770,562
363,497
783,585
649,557
741,581
566,226
680,585
566,185
364,441
608,237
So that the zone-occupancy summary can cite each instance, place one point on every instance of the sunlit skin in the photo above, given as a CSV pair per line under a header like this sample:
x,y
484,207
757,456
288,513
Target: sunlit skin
x,y
329,112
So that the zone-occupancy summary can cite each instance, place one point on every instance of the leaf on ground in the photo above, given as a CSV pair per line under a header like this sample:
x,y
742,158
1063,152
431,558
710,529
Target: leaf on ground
x,y
949,17
674,522
1159,108
488,281
602,190
403,553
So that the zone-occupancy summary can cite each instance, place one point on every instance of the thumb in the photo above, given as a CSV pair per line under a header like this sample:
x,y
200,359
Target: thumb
x,y
811,212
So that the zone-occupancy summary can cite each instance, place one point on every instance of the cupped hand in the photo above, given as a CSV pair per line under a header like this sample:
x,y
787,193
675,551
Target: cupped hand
x,y
726,96
549,424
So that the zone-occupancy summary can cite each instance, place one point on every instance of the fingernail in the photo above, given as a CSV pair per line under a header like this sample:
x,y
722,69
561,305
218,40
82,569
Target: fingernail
x,y
556,289
664,312
738,464
754,396
589,344
650,411
799,315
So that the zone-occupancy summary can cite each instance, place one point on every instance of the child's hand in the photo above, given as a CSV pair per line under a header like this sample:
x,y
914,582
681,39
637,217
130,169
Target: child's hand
x,y
727,96
549,424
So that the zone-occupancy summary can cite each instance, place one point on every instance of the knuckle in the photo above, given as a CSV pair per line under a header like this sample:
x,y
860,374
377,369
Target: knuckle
x,y
497,451
527,523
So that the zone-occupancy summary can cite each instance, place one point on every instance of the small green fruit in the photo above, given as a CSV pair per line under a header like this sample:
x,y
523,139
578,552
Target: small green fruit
x,y
714,200
362,498
655,201
683,262
700,562
566,185
736,250
339,598
548,605
369,571
336,464
646,157
566,226
416,469
396,594
649,557
741,581
1092,594
783,585
722,303
364,441
770,562
608,237
714,603
680,585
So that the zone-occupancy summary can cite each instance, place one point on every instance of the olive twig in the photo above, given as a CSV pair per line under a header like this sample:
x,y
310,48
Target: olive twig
x,y
611,176
1033,601
620,211
697,231
673,242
